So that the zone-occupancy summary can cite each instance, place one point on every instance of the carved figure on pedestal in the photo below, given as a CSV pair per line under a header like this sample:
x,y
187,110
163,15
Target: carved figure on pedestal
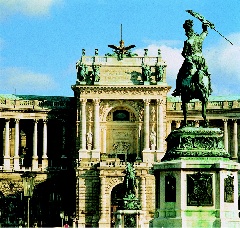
x,y
153,139
96,72
89,140
146,73
82,71
159,71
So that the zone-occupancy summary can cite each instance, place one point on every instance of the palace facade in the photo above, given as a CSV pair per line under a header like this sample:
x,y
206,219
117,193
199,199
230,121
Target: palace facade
x,y
78,146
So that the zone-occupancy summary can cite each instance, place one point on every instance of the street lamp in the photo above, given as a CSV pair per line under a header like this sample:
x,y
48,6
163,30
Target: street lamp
x,y
62,216
28,186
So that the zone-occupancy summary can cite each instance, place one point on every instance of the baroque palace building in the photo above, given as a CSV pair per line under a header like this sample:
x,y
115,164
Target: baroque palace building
x,y
78,146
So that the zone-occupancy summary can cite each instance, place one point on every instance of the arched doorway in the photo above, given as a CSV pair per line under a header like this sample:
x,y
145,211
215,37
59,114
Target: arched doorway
x,y
117,195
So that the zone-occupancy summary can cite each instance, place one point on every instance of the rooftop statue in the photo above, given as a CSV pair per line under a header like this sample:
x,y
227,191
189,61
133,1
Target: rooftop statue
x,y
193,79
146,72
82,71
122,51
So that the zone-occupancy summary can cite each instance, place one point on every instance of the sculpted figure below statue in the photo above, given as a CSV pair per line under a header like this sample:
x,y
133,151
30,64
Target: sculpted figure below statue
x,y
82,71
193,79
130,180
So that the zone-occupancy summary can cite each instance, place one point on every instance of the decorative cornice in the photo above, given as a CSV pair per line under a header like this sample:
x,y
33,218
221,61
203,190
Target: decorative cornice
x,y
122,90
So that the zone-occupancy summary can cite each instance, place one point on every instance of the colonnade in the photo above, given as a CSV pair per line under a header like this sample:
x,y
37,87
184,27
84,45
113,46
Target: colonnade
x,y
16,158
160,135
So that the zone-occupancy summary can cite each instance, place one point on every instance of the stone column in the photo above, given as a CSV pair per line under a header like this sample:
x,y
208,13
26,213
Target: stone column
x,y
225,121
44,156
83,125
16,146
103,200
139,141
82,153
6,159
96,137
146,124
169,127
35,144
160,129
235,140
104,140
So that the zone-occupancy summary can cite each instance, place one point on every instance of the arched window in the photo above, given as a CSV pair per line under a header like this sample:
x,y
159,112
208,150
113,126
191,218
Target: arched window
x,y
121,115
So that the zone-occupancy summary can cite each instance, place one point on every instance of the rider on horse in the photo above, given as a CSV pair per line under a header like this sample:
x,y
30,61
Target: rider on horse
x,y
194,63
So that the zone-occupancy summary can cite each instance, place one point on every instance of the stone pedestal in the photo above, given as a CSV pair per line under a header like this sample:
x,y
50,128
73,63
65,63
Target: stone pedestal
x,y
197,181
123,218
148,156
95,154
44,163
34,163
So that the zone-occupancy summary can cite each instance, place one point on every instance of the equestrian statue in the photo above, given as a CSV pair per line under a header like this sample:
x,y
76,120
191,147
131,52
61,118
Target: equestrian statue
x,y
193,79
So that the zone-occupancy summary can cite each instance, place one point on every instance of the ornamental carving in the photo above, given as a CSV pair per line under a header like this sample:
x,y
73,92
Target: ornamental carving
x,y
199,189
229,189
8,187
123,90
121,147
90,113
153,114
195,142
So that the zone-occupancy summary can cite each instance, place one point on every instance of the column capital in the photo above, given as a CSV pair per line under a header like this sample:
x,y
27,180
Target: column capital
x,y
225,120
83,100
16,120
45,121
160,102
7,120
96,101
147,101
35,120
234,120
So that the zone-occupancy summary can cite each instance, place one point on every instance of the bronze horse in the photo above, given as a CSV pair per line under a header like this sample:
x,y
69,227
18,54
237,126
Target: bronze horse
x,y
193,80
197,86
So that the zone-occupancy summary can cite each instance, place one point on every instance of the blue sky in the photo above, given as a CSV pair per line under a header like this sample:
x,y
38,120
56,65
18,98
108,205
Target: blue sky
x,y
41,40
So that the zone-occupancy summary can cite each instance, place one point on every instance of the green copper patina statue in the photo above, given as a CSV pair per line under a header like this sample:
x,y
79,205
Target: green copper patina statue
x,y
193,79
130,201
121,51
130,180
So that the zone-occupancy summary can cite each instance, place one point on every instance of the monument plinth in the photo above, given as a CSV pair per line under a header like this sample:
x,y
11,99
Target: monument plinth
x,y
197,183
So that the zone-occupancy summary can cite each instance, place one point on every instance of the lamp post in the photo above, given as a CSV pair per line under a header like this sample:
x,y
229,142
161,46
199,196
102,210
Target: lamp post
x,y
62,216
28,186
